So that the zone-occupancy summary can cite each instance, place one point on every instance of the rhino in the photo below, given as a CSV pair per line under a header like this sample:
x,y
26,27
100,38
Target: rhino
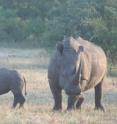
x,y
76,66
12,80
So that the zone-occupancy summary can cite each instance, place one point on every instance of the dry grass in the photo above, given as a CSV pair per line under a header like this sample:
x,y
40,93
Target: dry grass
x,y
37,110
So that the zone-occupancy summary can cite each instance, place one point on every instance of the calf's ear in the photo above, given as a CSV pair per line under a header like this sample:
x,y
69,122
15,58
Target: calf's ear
x,y
60,48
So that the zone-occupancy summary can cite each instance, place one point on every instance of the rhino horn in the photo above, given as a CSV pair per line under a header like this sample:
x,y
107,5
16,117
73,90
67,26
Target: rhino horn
x,y
79,67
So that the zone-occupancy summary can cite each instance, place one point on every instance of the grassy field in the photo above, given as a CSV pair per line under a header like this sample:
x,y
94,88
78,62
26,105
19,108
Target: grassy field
x,y
32,63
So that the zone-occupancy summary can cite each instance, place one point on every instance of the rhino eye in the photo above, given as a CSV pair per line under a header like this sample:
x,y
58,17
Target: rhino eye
x,y
74,70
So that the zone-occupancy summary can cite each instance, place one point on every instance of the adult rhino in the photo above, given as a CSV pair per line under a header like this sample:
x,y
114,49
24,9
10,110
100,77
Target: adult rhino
x,y
11,80
76,66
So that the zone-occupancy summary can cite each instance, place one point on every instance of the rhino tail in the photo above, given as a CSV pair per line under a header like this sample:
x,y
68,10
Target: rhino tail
x,y
25,85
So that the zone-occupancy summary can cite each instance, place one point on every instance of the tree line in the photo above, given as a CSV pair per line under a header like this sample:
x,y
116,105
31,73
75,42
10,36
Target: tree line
x,y
48,21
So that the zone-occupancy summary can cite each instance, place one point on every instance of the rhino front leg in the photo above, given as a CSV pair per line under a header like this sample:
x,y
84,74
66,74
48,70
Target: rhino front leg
x,y
79,102
98,95
57,99
71,102
75,102
57,94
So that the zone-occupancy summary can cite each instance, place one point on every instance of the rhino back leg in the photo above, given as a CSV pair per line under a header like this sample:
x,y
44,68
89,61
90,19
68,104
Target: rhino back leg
x,y
57,94
21,101
18,98
16,88
98,95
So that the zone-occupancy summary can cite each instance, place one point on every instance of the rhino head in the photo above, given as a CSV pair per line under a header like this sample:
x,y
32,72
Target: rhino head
x,y
70,65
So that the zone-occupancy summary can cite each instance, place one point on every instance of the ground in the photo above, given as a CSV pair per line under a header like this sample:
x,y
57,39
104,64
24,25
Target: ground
x,y
32,63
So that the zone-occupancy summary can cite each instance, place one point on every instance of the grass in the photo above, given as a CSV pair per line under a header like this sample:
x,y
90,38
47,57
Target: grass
x,y
32,63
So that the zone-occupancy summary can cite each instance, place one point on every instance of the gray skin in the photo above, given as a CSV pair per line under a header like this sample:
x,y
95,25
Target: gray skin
x,y
76,66
11,80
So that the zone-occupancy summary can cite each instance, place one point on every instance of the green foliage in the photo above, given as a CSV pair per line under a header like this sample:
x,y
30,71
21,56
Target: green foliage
x,y
48,21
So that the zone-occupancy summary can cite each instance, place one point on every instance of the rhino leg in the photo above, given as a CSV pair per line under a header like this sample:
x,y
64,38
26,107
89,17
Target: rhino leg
x,y
21,100
71,102
98,95
57,94
79,102
15,100
18,98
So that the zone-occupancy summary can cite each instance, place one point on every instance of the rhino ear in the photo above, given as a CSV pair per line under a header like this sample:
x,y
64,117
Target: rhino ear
x,y
60,48
81,48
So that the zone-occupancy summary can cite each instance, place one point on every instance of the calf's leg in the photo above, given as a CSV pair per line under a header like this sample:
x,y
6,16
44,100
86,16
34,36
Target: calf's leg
x,y
18,98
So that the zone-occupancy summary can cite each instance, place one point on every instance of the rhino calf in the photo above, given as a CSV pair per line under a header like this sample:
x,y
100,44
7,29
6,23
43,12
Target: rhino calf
x,y
11,80
76,66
